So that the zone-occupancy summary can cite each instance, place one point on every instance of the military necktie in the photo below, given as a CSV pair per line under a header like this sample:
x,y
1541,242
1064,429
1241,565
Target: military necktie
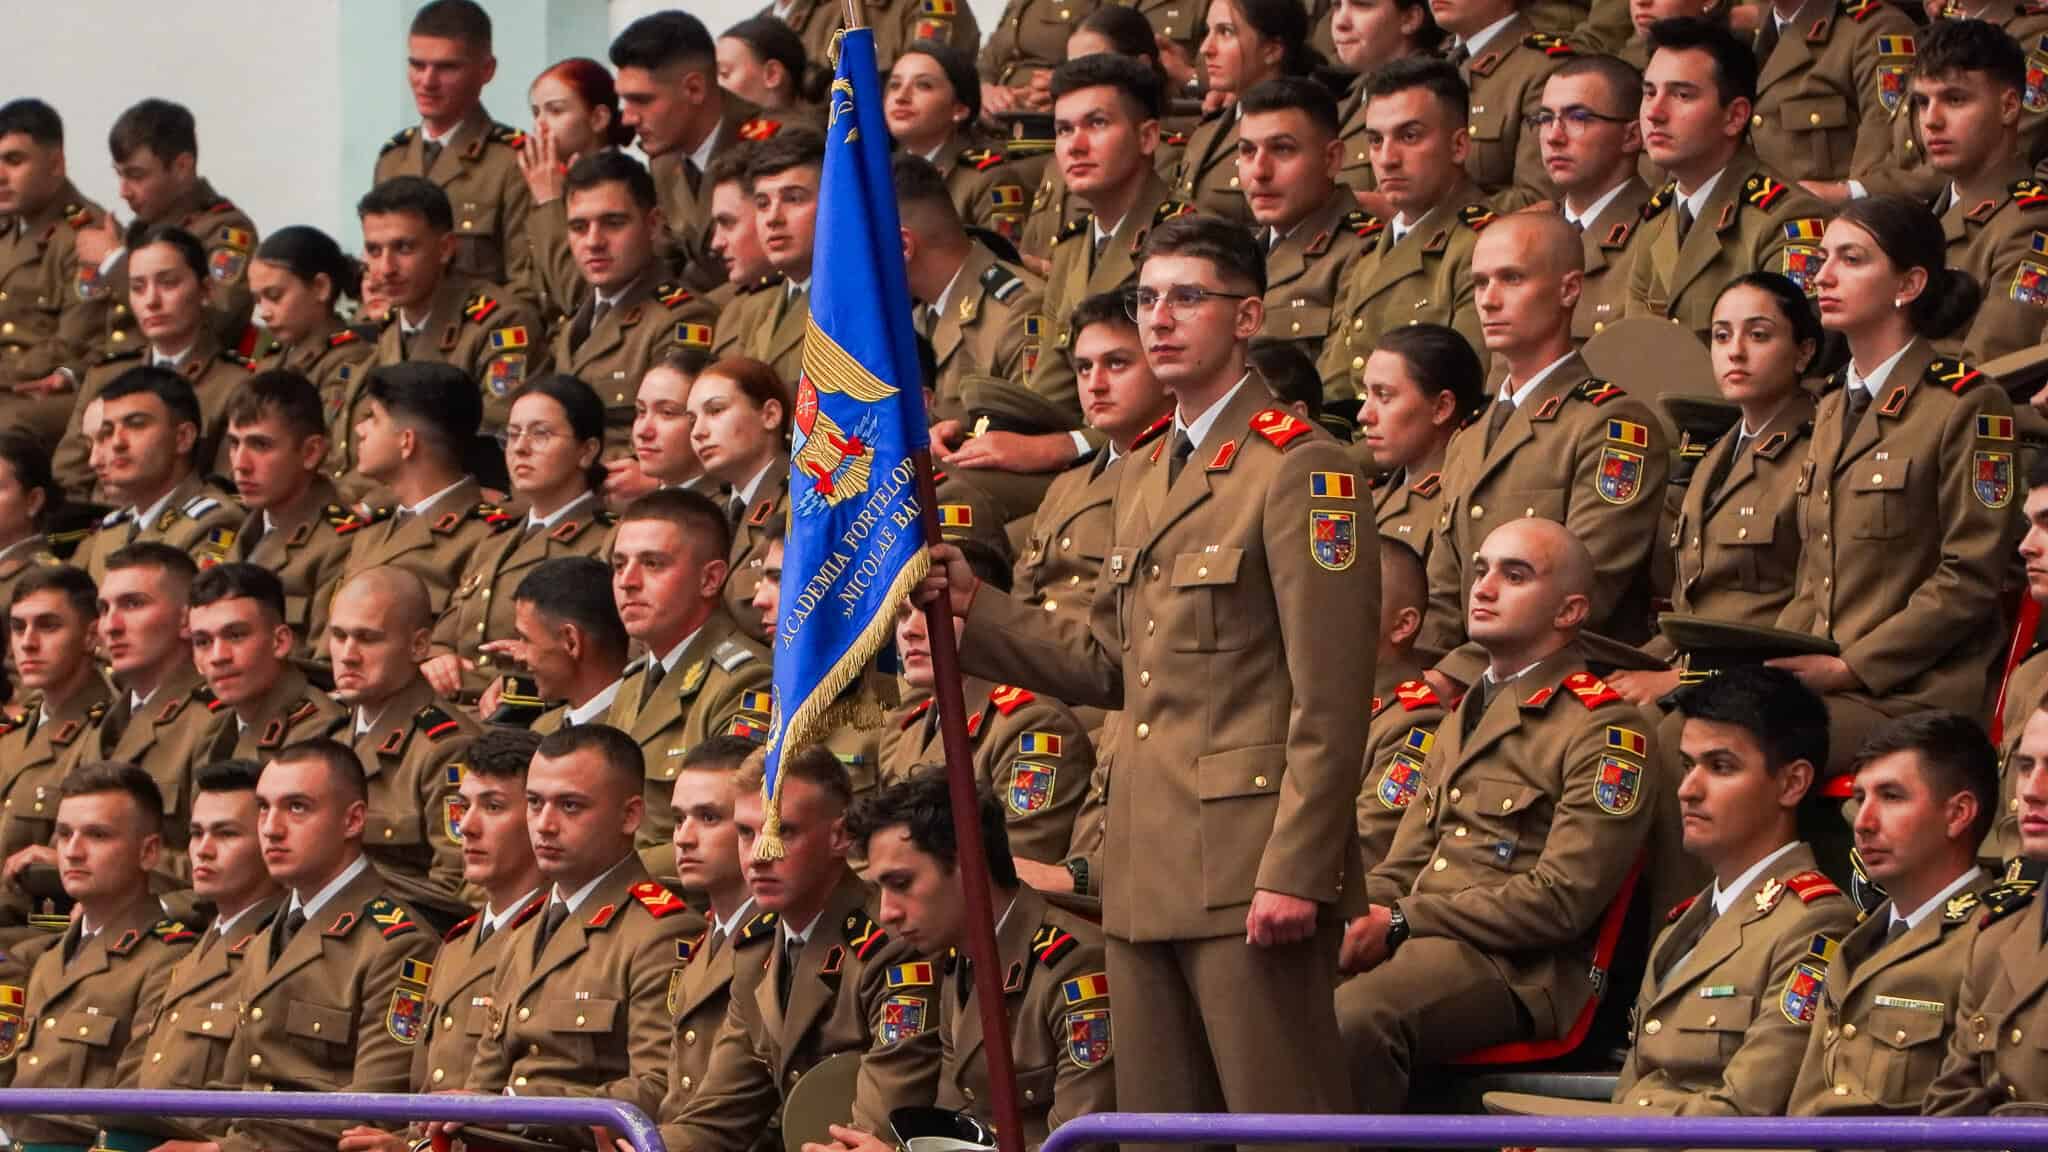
x,y
1474,708
785,978
557,914
288,928
1858,403
1897,929
1459,57
1684,221
1182,449
1497,420
430,152
485,931
586,322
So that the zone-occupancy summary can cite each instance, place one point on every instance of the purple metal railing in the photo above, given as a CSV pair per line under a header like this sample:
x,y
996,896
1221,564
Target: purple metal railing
x,y
623,1119
1906,1132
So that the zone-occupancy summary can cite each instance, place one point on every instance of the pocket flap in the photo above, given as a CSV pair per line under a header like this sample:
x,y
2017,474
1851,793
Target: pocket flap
x,y
1536,503
1715,1014
579,1015
1743,531
391,828
1878,476
1489,123
208,1023
89,1028
1905,1027
1491,797
1816,112
1197,569
317,1022
1253,771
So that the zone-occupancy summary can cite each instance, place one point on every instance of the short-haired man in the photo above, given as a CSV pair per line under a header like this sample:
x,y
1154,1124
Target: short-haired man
x,y
1496,945
1927,789
1504,60
48,328
571,642
1724,213
412,749
735,244
1417,266
185,1044
1058,1000
701,675
1599,452
609,932
275,444
412,439
438,314
630,314
243,647
149,430
107,976
2026,689
1753,742
1587,128
1405,709
782,181
835,982
456,144
341,953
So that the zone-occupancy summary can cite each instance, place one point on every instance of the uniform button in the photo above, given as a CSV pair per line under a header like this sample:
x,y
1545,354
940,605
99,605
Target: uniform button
x,y
1508,805
1150,625
1899,1037
1599,326
174,1017
1456,795
1841,1089
1144,730
1476,512
1653,1027
49,1022
1145,678
1877,477
1030,1095
389,833
1756,121
1712,1020
688,1083
534,1049
440,1074
1742,533
1358,363
1642,1101
255,1013
1154,573
34,1060
579,1021
1052,606
525,1012
1201,572
156,1057
519,1082
1823,537
2015,1035
1258,781
1459,831
1813,118
1074,580
316,1026
1439,865
1233,181
204,1026
1848,1031
256,1060
447,1021
690,1036
1296,326
84,1030
967,1092
1066,541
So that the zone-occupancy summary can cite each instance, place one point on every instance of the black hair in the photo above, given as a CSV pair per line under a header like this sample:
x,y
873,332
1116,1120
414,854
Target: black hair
x,y
186,245
306,252
409,195
1439,360
577,590
1735,65
618,751
1290,375
1283,21
33,119
774,42
922,805
343,767
227,776
1624,81
793,148
584,410
1790,300
94,777
1439,78
1293,93
500,752
655,41
166,129
1953,752
240,581
29,459
1910,236
1224,243
172,390
1138,83
723,750
1784,717
1950,47
288,395
698,518
1129,34
74,584
608,166
438,399
1101,308
918,183
463,20
960,72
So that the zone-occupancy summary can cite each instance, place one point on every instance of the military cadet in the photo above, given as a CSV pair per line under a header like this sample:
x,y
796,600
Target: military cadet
x,y
1366,35
411,440
166,276
1557,443
1019,53
1288,157
2025,21
1029,750
1405,709
1902,571
2026,686
332,996
610,935
1969,82
982,313
1455,958
93,992
1421,383
735,244
707,852
551,451
632,316
276,443
1830,94
570,641
1735,977
1504,61
185,1043
48,328
1586,127
896,26
29,498
155,146
932,105
1926,789
300,276
1416,267
739,413
701,676
438,315
1984,1068
662,456
575,114
412,749
149,429
1054,985
1698,90
834,982
1246,509
243,647
50,633
782,180
1248,43
457,146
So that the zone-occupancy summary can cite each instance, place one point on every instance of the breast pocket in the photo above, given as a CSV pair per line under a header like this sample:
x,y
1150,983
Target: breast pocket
x,y
1878,504
1504,818
477,226
86,1040
327,1031
1240,794
1542,503
581,1028
1743,545
1204,590
1906,1049
1826,124
393,829
1122,570
1705,1034
1290,319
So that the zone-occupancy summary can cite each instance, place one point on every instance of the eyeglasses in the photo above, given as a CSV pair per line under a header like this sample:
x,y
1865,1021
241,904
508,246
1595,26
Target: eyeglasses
x,y
1181,299
1577,119
539,435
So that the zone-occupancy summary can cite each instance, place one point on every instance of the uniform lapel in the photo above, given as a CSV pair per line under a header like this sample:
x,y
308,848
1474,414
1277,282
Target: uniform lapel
x,y
608,335
1013,952
1742,469
310,942
1213,456
1702,241
1398,261
1791,54
1906,374
1521,426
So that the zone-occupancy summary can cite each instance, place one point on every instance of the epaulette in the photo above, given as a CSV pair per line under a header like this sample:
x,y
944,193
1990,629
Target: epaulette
x,y
863,935
1001,282
981,159
1959,908
672,296
390,917
1860,10
1279,428
758,928
1174,138
1160,425
1596,391
1590,689
1811,886
132,352
200,505
343,336
477,308
2029,192
1679,909
494,516
770,280
1659,200
507,135
462,927
1476,216
759,128
1170,209
1953,375
436,723
230,356
77,215
1051,942
347,520
1552,46
1369,227
657,899
730,655
1075,228
1008,698
400,140
1760,189
2002,900
172,932
1416,694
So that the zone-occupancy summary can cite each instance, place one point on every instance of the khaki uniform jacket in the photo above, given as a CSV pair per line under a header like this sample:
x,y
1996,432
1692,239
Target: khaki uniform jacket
x,y
229,237
1029,752
1753,221
171,738
1992,1050
1233,625
738,309
1355,166
1609,259
853,989
895,23
1577,450
198,518
1994,242
699,1000
1207,174
339,1010
495,338
1737,546
649,320
35,752
1829,92
1721,1033
185,1042
481,608
1906,527
1070,536
1306,271
685,202
292,712
17,560
1556,783
337,361
1056,996
478,167
987,189
307,555
991,327
1405,714
1506,159
459,998
215,375
83,1013
1424,278
2025,691
414,759
1887,1012
437,545
751,538
718,685
1408,511
772,326
1053,210
49,318
1030,37
588,1012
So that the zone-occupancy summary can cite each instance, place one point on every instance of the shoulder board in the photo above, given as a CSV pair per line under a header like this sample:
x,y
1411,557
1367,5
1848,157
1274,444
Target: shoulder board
x,y
1072,230
657,899
399,141
730,655
2002,900
435,723
2034,7
390,917
1679,909
1590,689
1761,190
230,356
1476,216
507,135
1160,425
1953,375
1860,10
2030,193
493,515
1811,886
118,354
1416,694
1171,210
173,932
981,159
1051,942
758,928
1548,45
463,926
759,128
1596,391
77,215
343,336
1174,137
477,308
1281,429
1367,227
672,296
863,935
200,505
1659,200
1000,281
1008,699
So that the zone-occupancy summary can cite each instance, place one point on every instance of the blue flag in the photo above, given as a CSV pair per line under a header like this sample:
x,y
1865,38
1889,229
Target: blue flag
x,y
854,547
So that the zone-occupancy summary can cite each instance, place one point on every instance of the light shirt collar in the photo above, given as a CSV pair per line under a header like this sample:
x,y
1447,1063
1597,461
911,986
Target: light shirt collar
x,y
311,908
224,924
1198,430
575,900
365,722
171,361
147,516
1488,35
1913,918
675,654
430,138
1585,219
495,918
1877,378
1520,395
945,299
420,508
1518,674
1697,202
801,937
558,515
701,157
726,926
796,287
746,494
1723,900
593,709
1102,233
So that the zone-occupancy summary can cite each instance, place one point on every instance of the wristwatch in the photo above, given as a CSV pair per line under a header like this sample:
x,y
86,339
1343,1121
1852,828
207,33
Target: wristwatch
x,y
1397,929
1077,867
